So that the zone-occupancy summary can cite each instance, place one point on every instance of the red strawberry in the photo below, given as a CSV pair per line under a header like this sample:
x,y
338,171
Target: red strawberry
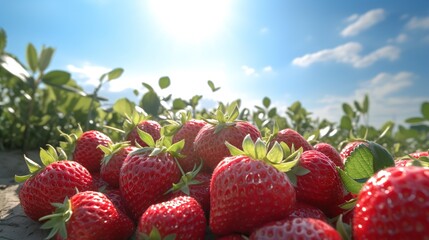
x,y
232,237
98,183
111,164
246,193
50,184
86,151
393,204
419,154
181,216
291,137
331,153
406,160
142,122
303,210
115,196
209,144
88,215
322,186
296,228
147,174
188,131
200,190
348,149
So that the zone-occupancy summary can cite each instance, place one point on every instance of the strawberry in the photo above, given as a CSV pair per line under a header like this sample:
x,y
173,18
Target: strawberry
x,y
187,129
303,210
232,237
148,173
291,138
51,183
115,196
247,190
98,183
331,153
408,159
209,143
114,156
88,215
296,228
393,204
348,149
322,186
84,147
181,216
142,122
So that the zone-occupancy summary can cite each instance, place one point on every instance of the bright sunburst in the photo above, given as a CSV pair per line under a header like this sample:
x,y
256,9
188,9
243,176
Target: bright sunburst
x,y
190,21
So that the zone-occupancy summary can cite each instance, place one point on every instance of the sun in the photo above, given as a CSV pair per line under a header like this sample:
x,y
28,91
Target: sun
x,y
191,21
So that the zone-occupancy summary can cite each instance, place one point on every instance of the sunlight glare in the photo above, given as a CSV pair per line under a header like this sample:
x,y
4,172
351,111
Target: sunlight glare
x,y
191,21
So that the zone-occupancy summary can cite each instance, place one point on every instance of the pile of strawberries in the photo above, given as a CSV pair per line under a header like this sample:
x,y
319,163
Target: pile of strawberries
x,y
220,179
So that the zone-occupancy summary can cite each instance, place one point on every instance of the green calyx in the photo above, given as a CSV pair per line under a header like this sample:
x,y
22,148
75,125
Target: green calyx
x,y
47,156
162,145
70,143
155,235
224,117
172,126
111,150
132,121
279,156
186,180
57,221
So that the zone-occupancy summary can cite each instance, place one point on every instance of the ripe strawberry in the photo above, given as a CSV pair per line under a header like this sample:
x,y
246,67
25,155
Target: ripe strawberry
x,y
98,183
111,164
393,204
209,144
142,122
115,196
88,215
51,183
246,193
331,153
291,137
296,228
322,186
406,160
232,237
147,174
84,147
303,210
188,130
348,149
181,216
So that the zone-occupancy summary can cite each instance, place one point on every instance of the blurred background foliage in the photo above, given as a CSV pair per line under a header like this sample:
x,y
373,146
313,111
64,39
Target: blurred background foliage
x,y
36,102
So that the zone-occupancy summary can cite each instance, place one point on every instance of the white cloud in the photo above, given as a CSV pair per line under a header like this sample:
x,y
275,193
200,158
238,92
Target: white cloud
x,y
418,23
89,73
348,53
267,69
248,70
362,22
401,38
385,103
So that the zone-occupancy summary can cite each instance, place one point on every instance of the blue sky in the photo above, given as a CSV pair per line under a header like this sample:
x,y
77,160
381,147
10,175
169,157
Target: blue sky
x,y
322,53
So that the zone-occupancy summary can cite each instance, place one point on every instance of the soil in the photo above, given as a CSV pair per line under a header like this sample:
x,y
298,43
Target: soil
x,y
14,224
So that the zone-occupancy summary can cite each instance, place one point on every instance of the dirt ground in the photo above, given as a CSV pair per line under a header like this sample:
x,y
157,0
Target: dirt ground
x,y
13,222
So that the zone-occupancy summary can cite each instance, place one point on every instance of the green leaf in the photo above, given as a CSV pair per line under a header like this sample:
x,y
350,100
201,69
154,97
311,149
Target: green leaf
x,y
260,149
195,100
56,78
275,155
115,73
124,107
272,112
414,120
146,137
365,108
235,151
45,58
31,165
212,86
48,156
382,158
14,67
148,87
359,164
179,104
357,105
3,40
164,82
151,103
343,228
425,110
346,123
348,110
20,179
176,147
266,102
32,57
249,146
349,183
